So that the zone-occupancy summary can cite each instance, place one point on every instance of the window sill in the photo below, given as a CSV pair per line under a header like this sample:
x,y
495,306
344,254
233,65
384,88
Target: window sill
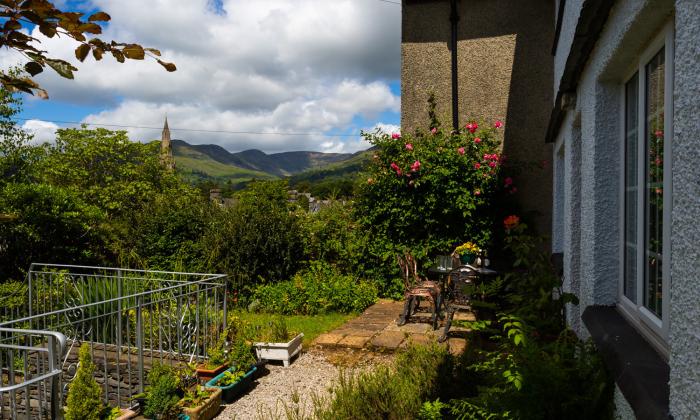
x,y
640,372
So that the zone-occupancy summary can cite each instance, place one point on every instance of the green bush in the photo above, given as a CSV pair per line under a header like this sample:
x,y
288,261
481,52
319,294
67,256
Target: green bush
x,y
51,225
424,193
319,289
84,401
389,392
163,392
258,239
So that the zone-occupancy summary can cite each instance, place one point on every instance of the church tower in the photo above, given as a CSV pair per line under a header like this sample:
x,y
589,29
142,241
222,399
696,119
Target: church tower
x,y
166,148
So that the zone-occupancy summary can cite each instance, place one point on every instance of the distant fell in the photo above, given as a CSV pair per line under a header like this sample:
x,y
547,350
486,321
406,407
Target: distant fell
x,y
216,163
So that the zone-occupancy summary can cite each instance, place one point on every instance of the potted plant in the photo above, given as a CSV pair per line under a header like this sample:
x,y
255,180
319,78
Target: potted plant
x,y
163,393
278,343
201,403
233,383
467,252
215,364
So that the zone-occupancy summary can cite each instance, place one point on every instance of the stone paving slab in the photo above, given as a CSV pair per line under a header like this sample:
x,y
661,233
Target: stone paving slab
x,y
390,340
376,328
353,341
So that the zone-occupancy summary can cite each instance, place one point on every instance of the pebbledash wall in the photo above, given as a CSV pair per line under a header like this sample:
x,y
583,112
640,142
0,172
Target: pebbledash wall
x,y
504,72
587,179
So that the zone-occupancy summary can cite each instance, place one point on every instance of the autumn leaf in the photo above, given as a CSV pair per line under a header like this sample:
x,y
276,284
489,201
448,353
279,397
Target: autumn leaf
x,y
82,51
99,17
33,68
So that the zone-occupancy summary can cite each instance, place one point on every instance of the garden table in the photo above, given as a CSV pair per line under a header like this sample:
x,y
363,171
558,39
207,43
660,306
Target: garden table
x,y
458,291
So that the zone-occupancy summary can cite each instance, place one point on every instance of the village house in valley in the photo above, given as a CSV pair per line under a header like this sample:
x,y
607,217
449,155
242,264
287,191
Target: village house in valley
x,y
606,90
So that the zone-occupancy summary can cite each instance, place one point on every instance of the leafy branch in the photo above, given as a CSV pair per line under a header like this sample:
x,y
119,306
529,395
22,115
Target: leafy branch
x,y
53,22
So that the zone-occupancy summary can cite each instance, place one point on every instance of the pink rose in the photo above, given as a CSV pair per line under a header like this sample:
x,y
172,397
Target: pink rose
x,y
416,166
409,146
460,150
396,136
472,126
508,181
433,130
492,164
477,140
477,192
477,165
487,156
659,133
498,124
396,168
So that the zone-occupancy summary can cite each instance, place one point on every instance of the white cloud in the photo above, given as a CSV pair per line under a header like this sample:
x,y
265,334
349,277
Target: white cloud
x,y
43,131
273,65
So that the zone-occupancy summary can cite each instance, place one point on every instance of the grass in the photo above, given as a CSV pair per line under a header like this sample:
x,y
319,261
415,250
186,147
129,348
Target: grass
x,y
311,325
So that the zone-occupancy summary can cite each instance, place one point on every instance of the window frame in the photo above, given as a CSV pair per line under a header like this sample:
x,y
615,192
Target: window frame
x,y
655,329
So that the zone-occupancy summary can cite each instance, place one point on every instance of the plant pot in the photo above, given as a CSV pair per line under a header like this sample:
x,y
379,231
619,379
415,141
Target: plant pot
x,y
127,414
208,410
467,257
229,393
279,351
204,374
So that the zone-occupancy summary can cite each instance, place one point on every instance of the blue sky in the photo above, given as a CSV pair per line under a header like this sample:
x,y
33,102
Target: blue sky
x,y
284,66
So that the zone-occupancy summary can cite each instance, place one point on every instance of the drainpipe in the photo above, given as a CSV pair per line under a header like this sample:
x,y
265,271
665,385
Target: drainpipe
x,y
454,18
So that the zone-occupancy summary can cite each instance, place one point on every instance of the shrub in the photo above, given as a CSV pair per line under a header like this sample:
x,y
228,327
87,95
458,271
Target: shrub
x,y
320,288
424,193
84,400
52,224
162,395
395,392
258,238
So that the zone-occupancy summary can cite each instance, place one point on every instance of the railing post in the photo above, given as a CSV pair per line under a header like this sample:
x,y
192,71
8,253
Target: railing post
x,y
54,362
119,333
139,339
225,303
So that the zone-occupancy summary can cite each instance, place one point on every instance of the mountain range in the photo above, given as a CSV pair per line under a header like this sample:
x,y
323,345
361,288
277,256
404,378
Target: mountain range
x,y
209,161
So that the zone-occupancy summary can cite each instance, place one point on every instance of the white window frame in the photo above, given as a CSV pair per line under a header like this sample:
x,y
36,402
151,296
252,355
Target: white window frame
x,y
654,329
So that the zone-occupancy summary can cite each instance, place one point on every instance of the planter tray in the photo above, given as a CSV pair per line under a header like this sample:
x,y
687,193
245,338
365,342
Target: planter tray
x,y
279,351
230,392
208,410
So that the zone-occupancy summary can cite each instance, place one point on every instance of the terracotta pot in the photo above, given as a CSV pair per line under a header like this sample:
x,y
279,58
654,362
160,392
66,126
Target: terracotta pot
x,y
205,375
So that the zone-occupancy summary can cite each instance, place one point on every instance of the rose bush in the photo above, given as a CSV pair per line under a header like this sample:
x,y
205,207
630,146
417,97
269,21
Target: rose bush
x,y
429,191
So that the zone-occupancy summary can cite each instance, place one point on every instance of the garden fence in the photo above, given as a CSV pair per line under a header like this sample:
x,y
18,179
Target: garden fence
x,y
131,319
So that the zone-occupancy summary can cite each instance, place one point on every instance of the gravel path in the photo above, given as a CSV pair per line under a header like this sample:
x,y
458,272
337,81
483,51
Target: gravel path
x,y
310,373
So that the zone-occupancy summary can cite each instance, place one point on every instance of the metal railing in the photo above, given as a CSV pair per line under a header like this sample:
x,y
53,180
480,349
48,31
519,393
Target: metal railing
x,y
30,362
131,319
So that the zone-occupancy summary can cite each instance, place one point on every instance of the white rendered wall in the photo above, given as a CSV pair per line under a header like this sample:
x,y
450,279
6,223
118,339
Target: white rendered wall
x,y
685,237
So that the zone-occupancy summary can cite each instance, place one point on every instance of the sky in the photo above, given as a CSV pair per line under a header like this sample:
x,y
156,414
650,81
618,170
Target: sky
x,y
317,71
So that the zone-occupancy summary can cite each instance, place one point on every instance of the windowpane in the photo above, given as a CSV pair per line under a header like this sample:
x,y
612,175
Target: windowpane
x,y
654,182
631,188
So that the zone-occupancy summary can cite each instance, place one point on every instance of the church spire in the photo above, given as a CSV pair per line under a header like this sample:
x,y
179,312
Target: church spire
x,y
166,148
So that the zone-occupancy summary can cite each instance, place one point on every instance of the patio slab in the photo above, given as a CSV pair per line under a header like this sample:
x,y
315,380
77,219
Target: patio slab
x,y
376,329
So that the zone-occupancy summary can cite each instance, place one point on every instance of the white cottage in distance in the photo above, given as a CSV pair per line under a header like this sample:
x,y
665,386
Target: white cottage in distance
x,y
626,211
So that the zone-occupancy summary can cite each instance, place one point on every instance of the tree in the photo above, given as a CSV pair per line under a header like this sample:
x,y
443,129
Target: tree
x,y
84,400
52,22
17,155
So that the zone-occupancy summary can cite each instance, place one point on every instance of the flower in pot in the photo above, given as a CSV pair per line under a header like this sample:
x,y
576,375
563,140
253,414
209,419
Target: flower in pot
x,y
215,364
201,403
278,343
467,252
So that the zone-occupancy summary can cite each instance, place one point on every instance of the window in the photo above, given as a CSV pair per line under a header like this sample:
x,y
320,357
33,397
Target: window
x,y
646,189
